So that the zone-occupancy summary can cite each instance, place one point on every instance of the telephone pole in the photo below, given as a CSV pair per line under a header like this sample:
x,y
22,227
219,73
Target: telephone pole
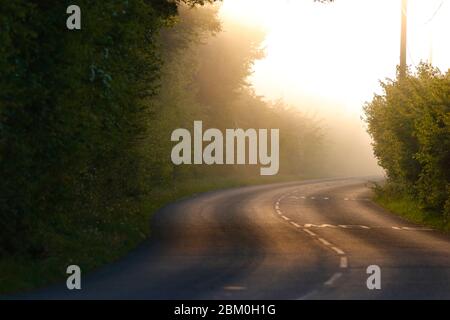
x,y
403,39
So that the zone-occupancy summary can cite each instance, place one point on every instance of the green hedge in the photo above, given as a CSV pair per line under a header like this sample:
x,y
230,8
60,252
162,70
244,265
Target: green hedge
x,y
70,110
410,127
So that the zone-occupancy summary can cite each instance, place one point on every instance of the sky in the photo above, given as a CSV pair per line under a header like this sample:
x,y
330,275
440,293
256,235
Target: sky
x,y
328,58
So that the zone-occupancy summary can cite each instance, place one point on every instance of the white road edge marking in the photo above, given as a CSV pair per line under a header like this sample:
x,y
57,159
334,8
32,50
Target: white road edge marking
x,y
416,229
352,226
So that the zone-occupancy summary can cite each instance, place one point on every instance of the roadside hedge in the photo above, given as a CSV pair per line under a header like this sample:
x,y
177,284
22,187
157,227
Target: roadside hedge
x,y
410,126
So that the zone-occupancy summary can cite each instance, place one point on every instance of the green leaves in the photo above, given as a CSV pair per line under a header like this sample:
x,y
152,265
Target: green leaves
x,y
71,109
410,127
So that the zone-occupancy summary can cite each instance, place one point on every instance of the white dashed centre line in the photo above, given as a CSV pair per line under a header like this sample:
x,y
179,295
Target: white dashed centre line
x,y
234,288
338,251
333,279
344,262
309,232
325,242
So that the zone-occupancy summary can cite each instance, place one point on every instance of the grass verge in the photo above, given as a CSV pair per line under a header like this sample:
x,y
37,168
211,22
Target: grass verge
x,y
409,208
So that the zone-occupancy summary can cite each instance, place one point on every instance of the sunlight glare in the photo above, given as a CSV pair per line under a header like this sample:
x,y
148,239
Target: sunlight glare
x,y
331,56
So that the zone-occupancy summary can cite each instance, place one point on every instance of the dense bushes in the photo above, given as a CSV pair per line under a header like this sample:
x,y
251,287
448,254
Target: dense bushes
x,y
410,126
71,106
86,117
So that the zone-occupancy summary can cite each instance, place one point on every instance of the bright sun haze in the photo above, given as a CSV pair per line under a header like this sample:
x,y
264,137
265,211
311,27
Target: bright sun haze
x,y
331,56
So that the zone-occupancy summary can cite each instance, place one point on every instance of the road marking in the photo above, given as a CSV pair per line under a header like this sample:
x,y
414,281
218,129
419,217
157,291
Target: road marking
x,y
325,225
359,226
309,232
234,288
344,262
416,229
337,250
325,242
308,295
333,278
352,226
323,197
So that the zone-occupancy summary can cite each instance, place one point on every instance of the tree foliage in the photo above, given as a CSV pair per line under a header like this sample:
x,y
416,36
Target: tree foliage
x,y
410,126
206,78
71,108
86,116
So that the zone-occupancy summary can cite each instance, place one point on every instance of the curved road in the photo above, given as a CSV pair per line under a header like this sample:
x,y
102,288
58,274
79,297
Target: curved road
x,y
306,240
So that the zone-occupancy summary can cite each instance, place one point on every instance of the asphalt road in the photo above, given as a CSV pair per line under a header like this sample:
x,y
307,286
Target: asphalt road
x,y
306,240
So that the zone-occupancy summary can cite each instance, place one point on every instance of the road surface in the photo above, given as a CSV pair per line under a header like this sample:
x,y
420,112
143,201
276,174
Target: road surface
x,y
305,240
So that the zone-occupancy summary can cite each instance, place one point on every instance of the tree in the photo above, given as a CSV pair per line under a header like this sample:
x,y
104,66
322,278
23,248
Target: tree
x,y
410,126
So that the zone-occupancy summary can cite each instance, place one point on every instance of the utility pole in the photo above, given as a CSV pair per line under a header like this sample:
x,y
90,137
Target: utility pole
x,y
430,57
403,39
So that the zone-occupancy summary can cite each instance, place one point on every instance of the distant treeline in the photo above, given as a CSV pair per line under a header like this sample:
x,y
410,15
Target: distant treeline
x,y
410,126
86,116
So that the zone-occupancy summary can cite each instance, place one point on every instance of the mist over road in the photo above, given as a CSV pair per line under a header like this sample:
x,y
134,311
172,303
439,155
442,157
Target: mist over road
x,y
304,240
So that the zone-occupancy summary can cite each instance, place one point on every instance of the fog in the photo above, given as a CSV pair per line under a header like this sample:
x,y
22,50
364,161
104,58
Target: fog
x,y
347,147
326,60
349,150
319,85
